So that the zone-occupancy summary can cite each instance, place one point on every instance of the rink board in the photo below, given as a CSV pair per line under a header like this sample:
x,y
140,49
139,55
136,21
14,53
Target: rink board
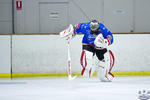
x,y
46,55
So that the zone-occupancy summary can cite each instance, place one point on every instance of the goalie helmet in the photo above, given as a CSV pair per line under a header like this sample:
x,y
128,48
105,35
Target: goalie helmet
x,y
94,25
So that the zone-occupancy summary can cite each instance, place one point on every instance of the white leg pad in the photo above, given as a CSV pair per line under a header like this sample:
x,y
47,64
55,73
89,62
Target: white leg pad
x,y
89,68
103,69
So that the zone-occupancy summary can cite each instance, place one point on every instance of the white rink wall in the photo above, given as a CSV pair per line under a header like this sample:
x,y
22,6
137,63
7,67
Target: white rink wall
x,y
48,53
5,54
44,54
132,53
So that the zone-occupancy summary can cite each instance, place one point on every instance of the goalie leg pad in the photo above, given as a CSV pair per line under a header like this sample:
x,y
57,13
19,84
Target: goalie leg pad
x,y
103,69
87,63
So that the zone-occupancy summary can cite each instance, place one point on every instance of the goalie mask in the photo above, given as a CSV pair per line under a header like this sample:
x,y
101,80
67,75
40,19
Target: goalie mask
x,y
94,25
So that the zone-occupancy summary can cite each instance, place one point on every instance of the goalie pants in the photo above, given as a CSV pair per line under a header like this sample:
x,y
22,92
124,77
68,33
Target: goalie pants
x,y
99,53
96,60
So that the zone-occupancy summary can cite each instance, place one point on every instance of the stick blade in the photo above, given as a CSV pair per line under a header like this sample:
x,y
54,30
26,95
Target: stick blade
x,y
71,78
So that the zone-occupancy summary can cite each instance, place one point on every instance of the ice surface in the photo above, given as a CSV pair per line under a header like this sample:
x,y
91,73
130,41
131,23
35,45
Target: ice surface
x,y
60,88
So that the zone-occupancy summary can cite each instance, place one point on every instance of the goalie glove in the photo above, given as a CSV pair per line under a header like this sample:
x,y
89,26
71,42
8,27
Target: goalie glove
x,y
68,33
101,42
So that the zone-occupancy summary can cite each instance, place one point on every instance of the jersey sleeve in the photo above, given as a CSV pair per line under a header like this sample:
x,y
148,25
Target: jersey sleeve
x,y
106,33
81,28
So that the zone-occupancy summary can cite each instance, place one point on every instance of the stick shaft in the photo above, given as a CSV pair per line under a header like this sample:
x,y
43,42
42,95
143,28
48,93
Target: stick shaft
x,y
69,59
69,63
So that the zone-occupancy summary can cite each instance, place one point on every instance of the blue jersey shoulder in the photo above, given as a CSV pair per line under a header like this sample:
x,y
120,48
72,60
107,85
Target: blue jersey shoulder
x,y
82,28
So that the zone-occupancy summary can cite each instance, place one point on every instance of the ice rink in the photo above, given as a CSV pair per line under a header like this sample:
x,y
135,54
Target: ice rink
x,y
60,88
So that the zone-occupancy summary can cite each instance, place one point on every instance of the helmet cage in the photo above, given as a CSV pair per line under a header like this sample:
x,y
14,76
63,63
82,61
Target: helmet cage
x,y
94,25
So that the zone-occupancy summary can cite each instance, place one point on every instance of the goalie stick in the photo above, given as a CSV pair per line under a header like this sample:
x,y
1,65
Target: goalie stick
x,y
68,33
69,62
